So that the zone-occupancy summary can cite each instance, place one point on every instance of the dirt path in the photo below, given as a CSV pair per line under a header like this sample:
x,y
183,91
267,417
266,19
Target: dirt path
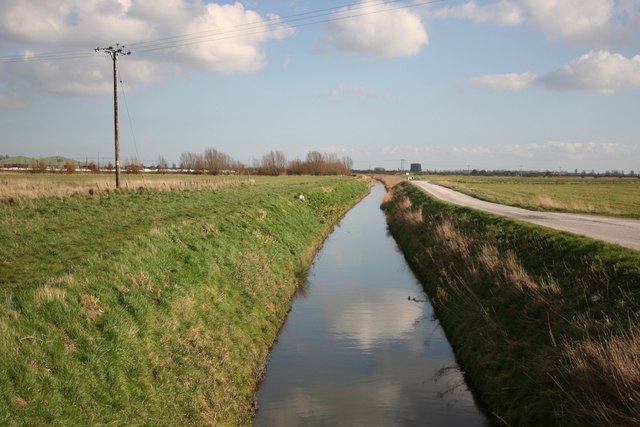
x,y
621,231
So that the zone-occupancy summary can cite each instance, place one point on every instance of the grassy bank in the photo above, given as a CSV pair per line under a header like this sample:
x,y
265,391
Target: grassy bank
x,y
544,324
153,307
600,196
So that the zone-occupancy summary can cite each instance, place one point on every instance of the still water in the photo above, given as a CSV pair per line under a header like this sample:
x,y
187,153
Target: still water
x,y
355,351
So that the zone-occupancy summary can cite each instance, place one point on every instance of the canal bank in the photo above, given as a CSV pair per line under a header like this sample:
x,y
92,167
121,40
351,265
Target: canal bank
x,y
545,324
361,345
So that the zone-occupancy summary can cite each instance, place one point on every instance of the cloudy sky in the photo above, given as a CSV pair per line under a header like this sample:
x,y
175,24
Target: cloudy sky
x,y
452,84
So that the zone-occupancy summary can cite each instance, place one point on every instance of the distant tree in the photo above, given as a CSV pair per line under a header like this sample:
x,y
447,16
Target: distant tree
x,y
273,163
70,166
191,161
109,166
211,161
295,167
133,165
93,167
348,164
163,164
42,166
215,161
314,163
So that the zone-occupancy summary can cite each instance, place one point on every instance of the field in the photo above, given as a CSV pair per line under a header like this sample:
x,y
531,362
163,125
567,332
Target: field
x,y
544,324
19,186
600,196
157,304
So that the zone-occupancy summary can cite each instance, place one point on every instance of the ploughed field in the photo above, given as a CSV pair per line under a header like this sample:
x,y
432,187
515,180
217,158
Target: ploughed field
x,y
158,303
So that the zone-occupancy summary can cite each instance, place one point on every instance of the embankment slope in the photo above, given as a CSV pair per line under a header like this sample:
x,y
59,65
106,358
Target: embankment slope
x,y
153,307
544,323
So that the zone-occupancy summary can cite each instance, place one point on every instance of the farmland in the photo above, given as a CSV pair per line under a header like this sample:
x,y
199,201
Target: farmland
x,y
159,302
601,196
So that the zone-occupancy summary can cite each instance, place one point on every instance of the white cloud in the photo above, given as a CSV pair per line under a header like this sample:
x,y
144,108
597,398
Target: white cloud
x,y
30,26
471,151
343,91
583,22
573,20
230,54
503,82
550,154
576,151
600,71
501,13
407,150
369,31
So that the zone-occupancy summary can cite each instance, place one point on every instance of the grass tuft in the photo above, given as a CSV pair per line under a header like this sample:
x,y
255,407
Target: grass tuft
x,y
47,293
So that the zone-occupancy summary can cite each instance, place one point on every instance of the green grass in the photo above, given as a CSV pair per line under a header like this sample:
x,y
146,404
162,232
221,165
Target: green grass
x,y
601,196
544,324
153,307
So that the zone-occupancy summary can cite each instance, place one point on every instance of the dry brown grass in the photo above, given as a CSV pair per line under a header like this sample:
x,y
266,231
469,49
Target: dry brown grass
x,y
14,189
547,202
92,306
588,361
47,293
606,369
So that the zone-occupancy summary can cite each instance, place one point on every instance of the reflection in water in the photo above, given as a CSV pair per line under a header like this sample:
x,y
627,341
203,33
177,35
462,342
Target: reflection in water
x,y
355,350
371,319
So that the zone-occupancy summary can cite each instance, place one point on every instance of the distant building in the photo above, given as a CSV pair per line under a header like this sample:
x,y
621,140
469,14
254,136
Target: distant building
x,y
415,168
378,169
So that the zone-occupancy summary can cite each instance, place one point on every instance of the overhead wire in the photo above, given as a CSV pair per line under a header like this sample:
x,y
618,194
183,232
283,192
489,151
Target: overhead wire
x,y
318,16
327,14
259,25
126,105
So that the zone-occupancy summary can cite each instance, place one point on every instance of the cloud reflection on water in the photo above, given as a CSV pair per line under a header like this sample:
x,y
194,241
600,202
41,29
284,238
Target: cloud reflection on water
x,y
372,317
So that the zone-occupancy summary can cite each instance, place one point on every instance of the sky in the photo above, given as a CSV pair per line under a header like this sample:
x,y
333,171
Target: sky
x,y
451,84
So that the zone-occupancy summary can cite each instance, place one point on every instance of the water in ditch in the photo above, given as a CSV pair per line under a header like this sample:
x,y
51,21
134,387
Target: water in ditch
x,y
357,349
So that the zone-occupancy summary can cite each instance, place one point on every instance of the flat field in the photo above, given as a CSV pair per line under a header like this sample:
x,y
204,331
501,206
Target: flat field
x,y
598,196
151,305
17,186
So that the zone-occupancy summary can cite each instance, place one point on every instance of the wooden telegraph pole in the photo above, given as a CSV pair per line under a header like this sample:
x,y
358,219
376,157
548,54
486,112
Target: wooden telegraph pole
x,y
113,53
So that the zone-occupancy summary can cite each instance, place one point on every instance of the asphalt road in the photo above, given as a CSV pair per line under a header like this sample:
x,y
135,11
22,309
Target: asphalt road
x,y
621,231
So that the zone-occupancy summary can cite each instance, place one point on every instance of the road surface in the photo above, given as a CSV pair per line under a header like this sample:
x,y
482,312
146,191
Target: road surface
x,y
621,231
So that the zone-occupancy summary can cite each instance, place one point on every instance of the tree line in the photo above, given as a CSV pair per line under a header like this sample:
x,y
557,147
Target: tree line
x,y
214,162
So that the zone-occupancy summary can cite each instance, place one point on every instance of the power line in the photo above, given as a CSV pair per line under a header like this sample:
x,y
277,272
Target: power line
x,y
47,56
133,134
318,16
312,18
205,34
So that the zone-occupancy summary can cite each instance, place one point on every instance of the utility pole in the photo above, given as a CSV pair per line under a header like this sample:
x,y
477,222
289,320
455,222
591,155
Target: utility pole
x,y
113,53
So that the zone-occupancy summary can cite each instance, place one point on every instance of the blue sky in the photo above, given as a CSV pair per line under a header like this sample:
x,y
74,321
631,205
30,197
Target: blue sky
x,y
499,84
